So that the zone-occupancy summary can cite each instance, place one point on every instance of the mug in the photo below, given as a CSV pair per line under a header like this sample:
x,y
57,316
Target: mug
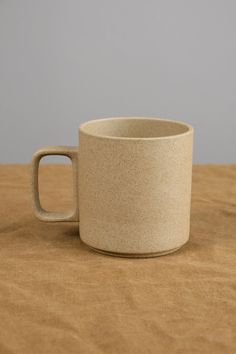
x,y
132,185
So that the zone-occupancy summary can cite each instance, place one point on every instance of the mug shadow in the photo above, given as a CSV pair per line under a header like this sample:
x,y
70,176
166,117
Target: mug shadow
x,y
72,232
29,233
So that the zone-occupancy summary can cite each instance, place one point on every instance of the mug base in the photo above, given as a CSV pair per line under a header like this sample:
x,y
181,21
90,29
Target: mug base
x,y
134,255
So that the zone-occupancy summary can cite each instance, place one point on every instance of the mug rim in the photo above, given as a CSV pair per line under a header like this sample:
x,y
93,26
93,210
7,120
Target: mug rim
x,y
100,136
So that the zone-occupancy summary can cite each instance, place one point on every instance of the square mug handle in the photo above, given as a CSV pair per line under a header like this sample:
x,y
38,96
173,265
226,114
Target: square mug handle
x,y
40,213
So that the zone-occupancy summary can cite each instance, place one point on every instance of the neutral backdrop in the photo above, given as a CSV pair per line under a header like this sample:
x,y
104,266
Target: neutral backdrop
x,y
64,62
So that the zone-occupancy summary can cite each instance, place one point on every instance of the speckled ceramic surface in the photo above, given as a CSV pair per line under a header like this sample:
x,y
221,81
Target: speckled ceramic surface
x,y
134,185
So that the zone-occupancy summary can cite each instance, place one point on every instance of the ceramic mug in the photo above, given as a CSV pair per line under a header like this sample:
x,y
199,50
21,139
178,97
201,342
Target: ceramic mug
x,y
132,185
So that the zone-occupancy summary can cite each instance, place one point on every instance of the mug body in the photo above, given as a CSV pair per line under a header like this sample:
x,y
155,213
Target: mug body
x,y
135,185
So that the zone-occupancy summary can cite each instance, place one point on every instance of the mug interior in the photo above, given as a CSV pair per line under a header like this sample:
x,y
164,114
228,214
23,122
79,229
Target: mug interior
x,y
136,128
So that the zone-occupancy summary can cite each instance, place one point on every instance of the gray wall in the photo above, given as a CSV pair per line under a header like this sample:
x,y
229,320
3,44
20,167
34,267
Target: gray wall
x,y
64,62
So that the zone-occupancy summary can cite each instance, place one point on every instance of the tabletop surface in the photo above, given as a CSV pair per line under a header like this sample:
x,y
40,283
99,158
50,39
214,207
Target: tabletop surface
x,y
57,296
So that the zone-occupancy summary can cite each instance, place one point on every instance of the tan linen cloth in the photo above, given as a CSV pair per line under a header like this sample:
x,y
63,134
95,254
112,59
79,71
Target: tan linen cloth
x,y
57,296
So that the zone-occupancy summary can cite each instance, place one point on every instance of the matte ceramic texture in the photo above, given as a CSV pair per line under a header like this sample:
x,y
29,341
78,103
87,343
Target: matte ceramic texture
x,y
134,185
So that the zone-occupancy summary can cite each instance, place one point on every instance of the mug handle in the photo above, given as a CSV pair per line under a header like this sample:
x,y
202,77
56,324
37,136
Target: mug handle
x,y
40,213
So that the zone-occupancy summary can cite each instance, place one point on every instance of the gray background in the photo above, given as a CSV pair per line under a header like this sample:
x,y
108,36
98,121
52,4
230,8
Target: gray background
x,y
64,62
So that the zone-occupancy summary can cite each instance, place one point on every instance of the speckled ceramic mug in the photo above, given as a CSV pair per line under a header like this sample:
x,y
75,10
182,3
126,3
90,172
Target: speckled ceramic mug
x,y
132,185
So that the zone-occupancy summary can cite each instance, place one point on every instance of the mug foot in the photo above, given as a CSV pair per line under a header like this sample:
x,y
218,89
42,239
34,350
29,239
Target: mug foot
x,y
133,255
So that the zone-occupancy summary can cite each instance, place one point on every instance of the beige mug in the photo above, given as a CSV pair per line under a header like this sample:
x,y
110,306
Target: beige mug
x,y
132,185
